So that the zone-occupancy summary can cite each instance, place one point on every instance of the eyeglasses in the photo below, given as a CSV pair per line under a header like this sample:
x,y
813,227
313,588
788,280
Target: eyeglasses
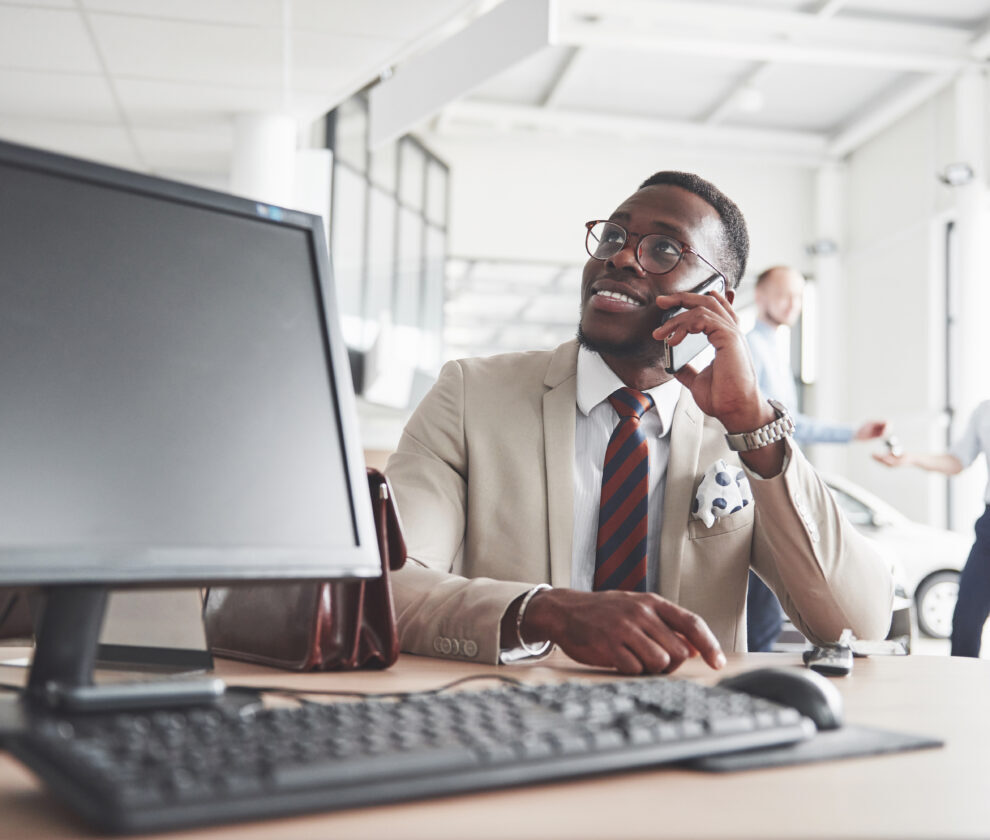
x,y
656,253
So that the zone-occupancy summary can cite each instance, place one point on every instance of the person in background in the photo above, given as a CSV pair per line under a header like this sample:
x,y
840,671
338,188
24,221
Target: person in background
x,y
779,296
586,497
973,604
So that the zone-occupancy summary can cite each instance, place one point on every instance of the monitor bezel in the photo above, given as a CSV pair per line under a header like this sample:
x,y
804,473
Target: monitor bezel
x,y
148,565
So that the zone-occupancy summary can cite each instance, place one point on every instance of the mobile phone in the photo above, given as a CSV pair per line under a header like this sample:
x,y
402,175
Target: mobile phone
x,y
674,358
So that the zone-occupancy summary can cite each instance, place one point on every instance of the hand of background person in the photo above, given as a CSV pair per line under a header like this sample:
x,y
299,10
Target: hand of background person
x,y
870,429
890,459
634,632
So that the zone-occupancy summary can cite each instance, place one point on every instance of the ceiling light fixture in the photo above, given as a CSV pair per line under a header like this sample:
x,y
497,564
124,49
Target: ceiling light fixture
x,y
956,174
750,99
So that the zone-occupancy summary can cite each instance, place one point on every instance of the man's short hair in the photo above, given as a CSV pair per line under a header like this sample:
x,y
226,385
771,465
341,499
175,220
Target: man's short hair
x,y
764,275
734,250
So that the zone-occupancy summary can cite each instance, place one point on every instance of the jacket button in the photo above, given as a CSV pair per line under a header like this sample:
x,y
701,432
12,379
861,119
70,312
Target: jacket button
x,y
445,646
470,647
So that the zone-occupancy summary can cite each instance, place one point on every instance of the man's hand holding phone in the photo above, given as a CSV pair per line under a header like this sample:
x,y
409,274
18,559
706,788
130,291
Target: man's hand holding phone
x,y
677,355
727,389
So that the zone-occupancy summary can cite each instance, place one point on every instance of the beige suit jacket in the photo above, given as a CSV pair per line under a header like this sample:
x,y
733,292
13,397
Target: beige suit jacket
x,y
483,479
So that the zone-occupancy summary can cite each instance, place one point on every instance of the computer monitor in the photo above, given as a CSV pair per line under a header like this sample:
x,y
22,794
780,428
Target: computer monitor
x,y
175,397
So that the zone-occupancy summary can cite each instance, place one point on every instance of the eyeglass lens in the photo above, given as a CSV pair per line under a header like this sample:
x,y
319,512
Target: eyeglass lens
x,y
657,253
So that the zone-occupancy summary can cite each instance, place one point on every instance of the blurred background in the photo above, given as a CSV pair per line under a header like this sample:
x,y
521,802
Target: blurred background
x,y
455,149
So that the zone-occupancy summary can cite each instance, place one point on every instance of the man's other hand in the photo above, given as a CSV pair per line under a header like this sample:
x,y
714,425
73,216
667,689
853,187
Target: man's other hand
x,y
871,429
634,632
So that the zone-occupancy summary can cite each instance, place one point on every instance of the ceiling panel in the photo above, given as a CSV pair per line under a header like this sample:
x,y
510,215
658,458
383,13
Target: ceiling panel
x,y
407,20
327,62
191,52
188,105
639,83
959,11
56,96
814,98
45,39
103,143
530,81
237,12
167,150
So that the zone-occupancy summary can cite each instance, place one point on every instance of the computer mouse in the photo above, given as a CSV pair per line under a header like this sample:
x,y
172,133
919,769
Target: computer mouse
x,y
810,693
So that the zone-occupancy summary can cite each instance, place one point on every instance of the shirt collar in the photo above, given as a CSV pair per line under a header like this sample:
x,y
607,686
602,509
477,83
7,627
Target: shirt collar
x,y
596,381
765,328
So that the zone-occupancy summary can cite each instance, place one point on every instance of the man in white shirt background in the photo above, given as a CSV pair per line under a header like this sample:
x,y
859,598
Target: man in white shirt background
x,y
779,296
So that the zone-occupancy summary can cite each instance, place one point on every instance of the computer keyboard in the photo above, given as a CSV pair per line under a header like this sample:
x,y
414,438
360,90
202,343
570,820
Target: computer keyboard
x,y
173,768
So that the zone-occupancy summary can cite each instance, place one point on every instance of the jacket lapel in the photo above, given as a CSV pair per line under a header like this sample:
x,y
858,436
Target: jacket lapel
x,y
559,407
682,467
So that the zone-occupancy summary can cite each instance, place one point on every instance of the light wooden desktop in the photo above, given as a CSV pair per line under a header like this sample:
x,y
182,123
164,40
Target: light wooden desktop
x,y
934,793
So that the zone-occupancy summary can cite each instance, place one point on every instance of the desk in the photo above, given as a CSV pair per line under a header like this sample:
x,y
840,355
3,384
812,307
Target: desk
x,y
939,793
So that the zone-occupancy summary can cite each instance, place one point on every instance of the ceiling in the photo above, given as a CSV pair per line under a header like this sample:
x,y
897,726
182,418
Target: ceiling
x,y
155,84
806,81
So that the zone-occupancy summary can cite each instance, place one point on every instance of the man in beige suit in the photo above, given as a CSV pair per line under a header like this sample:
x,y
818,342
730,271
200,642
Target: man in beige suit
x,y
498,473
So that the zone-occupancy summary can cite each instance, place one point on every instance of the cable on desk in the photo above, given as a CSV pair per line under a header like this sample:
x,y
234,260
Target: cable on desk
x,y
300,694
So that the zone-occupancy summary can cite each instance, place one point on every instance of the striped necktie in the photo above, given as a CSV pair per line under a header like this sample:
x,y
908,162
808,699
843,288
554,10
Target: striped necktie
x,y
620,559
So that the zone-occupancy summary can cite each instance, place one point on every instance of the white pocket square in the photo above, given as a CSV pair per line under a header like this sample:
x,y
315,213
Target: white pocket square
x,y
724,489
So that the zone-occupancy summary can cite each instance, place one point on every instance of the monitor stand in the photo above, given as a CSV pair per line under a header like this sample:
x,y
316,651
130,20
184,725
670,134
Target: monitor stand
x,y
66,644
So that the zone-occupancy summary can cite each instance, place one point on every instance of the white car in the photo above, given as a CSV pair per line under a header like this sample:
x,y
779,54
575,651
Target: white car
x,y
926,560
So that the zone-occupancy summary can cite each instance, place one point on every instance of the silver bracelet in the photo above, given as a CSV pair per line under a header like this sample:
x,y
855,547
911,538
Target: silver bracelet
x,y
541,647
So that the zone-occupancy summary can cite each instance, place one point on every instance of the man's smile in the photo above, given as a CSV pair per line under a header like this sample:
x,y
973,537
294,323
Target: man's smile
x,y
617,296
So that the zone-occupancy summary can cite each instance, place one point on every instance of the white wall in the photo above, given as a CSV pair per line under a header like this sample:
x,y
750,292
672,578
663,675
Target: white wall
x,y
893,321
506,183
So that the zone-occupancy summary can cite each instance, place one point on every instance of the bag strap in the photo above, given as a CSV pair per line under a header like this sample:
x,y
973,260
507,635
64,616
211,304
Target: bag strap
x,y
391,542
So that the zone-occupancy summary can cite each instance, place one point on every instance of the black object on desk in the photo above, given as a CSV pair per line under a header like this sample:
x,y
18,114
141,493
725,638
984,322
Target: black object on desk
x,y
173,768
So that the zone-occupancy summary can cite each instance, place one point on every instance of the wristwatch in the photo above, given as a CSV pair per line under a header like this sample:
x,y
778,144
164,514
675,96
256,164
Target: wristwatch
x,y
773,431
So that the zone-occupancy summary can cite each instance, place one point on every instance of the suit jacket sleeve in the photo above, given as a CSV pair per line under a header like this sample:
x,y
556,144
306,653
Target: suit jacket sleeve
x,y
440,613
826,574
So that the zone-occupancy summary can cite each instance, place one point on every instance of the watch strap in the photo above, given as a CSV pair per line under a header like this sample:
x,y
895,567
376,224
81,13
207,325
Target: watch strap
x,y
777,429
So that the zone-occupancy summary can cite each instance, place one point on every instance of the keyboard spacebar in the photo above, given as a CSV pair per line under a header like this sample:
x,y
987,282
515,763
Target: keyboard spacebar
x,y
358,769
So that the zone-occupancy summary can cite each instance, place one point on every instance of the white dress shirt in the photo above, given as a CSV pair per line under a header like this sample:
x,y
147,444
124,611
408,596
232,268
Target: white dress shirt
x,y
768,346
596,419
975,440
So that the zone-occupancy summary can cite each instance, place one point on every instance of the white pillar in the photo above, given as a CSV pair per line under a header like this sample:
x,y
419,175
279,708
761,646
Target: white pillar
x,y
263,160
828,395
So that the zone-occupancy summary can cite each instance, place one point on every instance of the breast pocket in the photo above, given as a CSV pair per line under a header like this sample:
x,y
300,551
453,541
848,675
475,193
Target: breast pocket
x,y
742,518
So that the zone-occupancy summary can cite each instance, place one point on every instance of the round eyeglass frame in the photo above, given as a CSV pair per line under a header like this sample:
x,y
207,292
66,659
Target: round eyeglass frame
x,y
682,246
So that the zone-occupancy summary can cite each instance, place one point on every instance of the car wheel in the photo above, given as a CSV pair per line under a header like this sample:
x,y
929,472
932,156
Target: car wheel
x,y
936,599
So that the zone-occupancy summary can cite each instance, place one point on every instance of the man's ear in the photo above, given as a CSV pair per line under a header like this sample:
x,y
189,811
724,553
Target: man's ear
x,y
730,295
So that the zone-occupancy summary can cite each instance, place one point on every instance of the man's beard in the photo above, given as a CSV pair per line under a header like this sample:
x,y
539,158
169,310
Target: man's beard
x,y
648,353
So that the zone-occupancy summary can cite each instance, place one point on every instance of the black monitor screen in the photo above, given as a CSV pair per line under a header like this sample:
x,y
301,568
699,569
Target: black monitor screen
x,y
175,403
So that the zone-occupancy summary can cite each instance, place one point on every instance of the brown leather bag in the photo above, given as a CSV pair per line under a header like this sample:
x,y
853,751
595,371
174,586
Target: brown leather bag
x,y
315,626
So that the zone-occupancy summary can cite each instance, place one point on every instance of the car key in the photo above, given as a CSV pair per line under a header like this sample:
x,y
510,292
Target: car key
x,y
830,660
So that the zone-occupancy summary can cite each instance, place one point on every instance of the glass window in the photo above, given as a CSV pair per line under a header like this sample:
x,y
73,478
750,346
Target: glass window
x,y
347,238
384,167
412,163
381,254
433,280
409,268
436,192
350,134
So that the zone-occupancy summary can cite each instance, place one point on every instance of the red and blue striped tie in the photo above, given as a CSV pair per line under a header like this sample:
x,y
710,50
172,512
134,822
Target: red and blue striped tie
x,y
620,559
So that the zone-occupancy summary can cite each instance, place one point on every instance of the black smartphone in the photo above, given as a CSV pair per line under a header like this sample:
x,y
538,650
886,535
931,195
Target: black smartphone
x,y
674,358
